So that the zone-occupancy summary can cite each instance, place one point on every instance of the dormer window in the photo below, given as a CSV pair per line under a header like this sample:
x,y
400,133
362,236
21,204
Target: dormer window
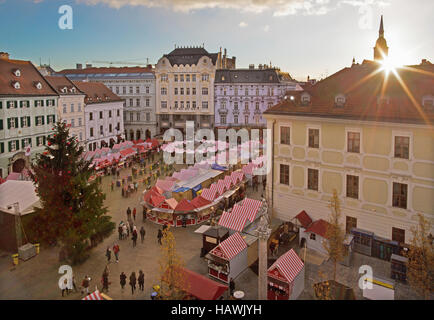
x,y
16,84
17,72
38,85
305,99
73,90
428,102
340,100
65,89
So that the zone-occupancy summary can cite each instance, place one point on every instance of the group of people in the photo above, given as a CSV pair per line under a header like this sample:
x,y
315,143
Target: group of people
x,y
125,228
133,280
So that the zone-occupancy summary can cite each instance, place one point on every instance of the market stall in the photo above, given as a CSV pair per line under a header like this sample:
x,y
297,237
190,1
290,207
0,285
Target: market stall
x,y
286,277
228,259
212,237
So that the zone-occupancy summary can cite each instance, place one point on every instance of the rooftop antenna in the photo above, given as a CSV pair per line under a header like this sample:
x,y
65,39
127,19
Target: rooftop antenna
x,y
40,62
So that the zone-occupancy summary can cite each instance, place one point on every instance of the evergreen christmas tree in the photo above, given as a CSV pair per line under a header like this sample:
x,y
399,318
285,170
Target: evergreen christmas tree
x,y
73,209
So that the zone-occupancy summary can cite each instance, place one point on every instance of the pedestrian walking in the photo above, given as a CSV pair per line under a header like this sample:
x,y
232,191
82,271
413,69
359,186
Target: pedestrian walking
x,y
159,236
134,237
108,254
113,185
124,231
105,280
142,233
144,214
123,280
141,280
133,282
134,214
131,226
116,250
85,284
232,286
120,232
74,285
128,228
128,212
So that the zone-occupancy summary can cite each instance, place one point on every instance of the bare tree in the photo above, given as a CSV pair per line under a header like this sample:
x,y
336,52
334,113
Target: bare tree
x,y
420,268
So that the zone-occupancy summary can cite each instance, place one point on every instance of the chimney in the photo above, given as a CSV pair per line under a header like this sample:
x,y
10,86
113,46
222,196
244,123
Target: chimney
x,y
79,66
4,56
423,61
308,78
88,65
251,66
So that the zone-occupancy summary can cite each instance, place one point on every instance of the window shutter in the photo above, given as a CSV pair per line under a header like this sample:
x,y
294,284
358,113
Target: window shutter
x,y
1,124
2,147
16,104
16,122
43,122
10,146
36,120
44,140
17,144
21,104
9,123
30,141
35,103
22,121
42,103
28,121
1,104
23,143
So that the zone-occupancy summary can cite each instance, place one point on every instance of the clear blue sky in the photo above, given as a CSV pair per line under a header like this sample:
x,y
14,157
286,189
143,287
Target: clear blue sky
x,y
303,37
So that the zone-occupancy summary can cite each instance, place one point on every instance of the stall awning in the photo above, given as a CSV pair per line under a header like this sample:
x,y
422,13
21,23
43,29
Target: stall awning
x,y
156,200
250,208
127,152
165,185
168,204
184,206
96,295
200,201
209,194
232,220
232,246
319,227
289,265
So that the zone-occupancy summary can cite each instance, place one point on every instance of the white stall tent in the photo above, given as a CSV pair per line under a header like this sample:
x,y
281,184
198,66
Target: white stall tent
x,y
21,192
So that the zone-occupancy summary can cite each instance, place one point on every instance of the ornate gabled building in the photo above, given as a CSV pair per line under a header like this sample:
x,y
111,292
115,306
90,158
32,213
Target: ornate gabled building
x,y
242,95
185,87
28,106
366,133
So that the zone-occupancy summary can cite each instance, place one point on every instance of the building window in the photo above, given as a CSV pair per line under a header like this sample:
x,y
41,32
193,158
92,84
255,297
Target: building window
x,y
110,128
284,174
187,104
79,122
402,146
91,132
398,235
147,102
163,91
176,104
147,89
101,130
81,136
193,105
223,119
163,104
131,116
246,106
236,119
246,92
137,89
124,90
187,91
182,104
205,77
164,77
350,223
181,91
64,109
399,195
204,104
257,106
90,116
313,138
72,107
181,78
79,107
235,105
193,78
131,102
118,113
187,78
138,102
72,123
117,90
353,144
285,135
176,91
312,179
353,187
110,113
312,236
100,114
204,91
148,117
138,116
193,91
13,146
40,120
246,118
176,78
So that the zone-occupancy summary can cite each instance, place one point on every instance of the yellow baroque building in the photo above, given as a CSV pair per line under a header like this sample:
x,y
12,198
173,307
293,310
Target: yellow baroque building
x,y
366,132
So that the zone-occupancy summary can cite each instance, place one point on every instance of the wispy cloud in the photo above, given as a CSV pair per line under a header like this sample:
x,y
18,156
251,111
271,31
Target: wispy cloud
x,y
242,24
277,7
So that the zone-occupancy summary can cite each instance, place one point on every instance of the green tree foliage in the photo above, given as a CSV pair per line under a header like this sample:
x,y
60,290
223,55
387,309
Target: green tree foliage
x,y
73,209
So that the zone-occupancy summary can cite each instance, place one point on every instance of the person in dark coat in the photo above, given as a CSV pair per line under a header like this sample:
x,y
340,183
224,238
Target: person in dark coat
x,y
108,254
134,237
105,280
141,280
133,282
120,232
231,286
144,214
159,236
123,280
142,233
129,213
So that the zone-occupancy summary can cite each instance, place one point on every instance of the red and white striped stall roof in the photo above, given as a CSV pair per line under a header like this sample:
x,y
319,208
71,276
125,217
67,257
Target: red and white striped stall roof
x,y
93,296
237,176
232,246
228,182
208,194
251,207
221,187
289,265
213,187
233,220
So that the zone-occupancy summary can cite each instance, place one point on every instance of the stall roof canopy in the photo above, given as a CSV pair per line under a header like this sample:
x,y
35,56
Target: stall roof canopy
x,y
201,287
200,201
169,204
184,205
231,247
23,192
319,227
96,295
233,220
215,166
165,185
288,265
304,219
156,200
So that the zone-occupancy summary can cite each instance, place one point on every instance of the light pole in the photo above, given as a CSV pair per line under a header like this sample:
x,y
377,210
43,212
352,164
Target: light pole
x,y
17,223
263,232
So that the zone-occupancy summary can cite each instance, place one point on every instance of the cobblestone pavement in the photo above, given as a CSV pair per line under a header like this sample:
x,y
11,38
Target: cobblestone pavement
x,y
38,277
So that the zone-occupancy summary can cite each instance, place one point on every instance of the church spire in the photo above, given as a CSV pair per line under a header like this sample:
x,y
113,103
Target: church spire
x,y
381,31
381,49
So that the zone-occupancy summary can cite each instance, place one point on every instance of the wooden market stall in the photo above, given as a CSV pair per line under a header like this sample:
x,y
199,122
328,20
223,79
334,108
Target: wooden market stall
x,y
228,259
213,237
286,277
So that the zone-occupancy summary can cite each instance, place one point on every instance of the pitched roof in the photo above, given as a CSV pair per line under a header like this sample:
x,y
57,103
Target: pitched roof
x,y
189,56
362,86
231,246
319,227
169,203
105,70
199,201
156,200
304,219
184,205
289,265
60,82
96,92
247,76
28,77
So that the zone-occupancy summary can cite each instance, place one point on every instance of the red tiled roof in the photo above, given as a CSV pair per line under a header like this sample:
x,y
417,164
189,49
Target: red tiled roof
x,y
60,82
319,227
106,70
304,219
184,205
362,87
29,77
96,92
